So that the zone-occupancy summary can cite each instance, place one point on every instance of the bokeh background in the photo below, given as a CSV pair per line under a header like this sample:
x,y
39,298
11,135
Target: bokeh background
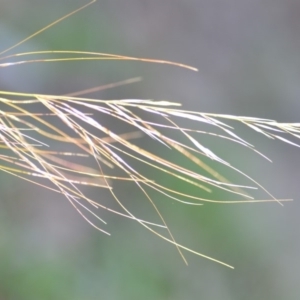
x,y
248,57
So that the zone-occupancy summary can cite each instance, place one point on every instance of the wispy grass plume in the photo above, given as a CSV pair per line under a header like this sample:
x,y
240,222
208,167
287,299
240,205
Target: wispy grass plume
x,y
31,143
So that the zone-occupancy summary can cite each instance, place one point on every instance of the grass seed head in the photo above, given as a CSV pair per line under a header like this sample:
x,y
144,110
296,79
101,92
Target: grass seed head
x,y
31,143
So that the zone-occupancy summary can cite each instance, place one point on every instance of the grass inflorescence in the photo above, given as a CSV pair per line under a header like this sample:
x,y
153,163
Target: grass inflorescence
x,y
31,143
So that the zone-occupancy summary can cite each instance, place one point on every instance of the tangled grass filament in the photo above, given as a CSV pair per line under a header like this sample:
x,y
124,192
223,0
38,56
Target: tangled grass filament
x,y
31,143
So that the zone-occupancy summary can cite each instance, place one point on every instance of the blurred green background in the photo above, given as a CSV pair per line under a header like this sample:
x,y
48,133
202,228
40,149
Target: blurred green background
x,y
248,57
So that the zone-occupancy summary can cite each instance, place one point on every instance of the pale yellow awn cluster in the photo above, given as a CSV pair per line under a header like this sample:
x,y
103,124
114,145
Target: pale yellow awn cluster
x,y
31,146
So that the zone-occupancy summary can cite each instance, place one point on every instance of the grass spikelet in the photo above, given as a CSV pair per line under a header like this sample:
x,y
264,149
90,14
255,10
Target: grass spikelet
x,y
31,143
